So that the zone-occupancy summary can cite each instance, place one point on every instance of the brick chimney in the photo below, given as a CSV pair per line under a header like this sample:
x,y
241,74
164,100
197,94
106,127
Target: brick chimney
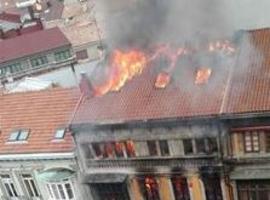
x,y
85,85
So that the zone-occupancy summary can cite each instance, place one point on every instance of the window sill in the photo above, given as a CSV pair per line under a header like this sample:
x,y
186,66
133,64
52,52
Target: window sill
x,y
16,142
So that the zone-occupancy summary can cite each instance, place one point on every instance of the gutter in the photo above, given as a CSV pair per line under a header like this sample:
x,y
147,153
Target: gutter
x,y
36,156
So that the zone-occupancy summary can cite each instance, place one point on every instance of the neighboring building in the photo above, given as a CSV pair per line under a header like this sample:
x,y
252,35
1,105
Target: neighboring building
x,y
247,158
34,53
184,141
37,159
79,26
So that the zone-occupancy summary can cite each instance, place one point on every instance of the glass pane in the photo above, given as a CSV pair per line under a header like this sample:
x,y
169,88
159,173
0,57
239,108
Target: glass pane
x,y
61,190
55,191
152,148
164,148
69,190
27,185
13,189
34,188
8,189
13,136
188,146
59,134
23,135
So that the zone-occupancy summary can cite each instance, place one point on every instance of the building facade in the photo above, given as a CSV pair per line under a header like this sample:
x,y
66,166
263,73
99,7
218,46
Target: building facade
x,y
34,53
181,141
37,159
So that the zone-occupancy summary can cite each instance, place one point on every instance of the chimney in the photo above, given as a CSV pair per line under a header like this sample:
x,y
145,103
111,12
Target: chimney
x,y
85,85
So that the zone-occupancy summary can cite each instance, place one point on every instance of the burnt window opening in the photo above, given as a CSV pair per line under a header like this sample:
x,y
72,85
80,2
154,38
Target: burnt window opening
x,y
164,147
97,149
123,149
180,188
200,145
267,140
120,149
212,145
188,147
130,147
251,141
149,188
152,147
106,191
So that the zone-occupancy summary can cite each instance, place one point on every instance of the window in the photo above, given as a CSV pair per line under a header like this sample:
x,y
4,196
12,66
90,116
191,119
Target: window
x,y
200,145
97,149
251,141
111,191
188,147
212,145
120,149
152,148
130,148
253,190
19,135
267,140
63,190
180,188
164,148
35,62
60,133
81,55
30,185
62,55
12,68
149,188
9,186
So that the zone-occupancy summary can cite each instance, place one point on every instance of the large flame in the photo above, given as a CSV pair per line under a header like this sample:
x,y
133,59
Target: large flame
x,y
124,66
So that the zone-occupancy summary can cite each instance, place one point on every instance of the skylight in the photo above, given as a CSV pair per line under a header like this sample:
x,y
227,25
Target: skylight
x,y
19,135
60,133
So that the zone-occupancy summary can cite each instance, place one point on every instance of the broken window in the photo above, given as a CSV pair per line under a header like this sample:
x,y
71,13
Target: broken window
x,y
188,148
152,148
164,148
267,140
251,141
119,149
212,145
180,188
130,148
150,189
97,149
200,145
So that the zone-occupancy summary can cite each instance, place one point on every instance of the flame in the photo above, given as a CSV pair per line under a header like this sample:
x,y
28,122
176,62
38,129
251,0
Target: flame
x,y
224,46
203,75
162,80
124,66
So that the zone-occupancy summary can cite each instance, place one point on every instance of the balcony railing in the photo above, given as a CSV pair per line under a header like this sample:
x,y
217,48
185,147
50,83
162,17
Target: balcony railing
x,y
155,162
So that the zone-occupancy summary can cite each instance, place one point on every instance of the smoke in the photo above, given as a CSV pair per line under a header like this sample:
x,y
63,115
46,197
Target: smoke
x,y
142,23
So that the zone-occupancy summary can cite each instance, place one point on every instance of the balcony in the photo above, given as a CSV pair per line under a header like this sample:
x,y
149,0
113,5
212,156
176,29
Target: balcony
x,y
190,161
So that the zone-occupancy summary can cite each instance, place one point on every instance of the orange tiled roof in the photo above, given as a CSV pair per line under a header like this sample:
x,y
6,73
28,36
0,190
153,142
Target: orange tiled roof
x,y
245,90
41,112
249,89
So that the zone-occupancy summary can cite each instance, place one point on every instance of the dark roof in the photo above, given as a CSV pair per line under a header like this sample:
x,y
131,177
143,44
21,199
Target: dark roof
x,y
10,17
29,44
243,87
42,112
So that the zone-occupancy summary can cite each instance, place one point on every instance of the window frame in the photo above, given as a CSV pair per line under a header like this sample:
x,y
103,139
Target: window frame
x,y
167,148
55,137
9,186
62,55
192,146
18,133
39,61
32,183
244,134
55,195
152,143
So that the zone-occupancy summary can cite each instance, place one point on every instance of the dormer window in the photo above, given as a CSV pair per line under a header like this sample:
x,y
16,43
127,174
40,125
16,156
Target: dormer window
x,y
19,135
60,133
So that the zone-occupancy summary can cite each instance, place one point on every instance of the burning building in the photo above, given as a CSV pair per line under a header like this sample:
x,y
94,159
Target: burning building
x,y
177,132
175,115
